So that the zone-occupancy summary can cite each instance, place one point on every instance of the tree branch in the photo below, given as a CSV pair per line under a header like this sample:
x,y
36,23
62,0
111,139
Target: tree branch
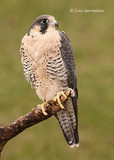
x,y
28,120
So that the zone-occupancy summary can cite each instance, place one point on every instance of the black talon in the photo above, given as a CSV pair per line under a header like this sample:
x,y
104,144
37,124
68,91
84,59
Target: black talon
x,y
54,103
48,102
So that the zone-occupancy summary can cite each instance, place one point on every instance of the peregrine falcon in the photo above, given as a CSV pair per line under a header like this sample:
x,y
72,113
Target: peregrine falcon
x,y
49,65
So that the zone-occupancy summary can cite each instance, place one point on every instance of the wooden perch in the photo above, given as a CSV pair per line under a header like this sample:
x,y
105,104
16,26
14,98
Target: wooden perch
x,y
28,120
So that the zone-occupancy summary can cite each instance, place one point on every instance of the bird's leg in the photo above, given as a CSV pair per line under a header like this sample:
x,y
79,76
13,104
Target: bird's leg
x,y
43,107
57,98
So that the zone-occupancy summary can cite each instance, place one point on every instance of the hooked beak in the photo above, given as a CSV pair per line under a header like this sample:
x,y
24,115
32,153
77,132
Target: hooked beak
x,y
54,23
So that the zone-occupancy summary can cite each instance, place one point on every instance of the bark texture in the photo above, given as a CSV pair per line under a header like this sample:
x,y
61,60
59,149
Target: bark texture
x,y
9,131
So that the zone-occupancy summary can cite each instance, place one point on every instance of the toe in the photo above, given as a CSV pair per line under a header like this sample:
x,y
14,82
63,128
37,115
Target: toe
x,y
43,108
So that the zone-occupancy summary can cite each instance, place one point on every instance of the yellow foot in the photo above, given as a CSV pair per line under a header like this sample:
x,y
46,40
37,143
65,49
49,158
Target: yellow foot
x,y
57,98
43,108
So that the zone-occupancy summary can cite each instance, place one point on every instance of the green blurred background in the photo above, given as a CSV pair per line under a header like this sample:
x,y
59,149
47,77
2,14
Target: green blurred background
x,y
92,37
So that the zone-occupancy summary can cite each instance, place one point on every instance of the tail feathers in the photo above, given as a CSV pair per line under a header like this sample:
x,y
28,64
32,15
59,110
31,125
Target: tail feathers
x,y
71,107
76,144
67,129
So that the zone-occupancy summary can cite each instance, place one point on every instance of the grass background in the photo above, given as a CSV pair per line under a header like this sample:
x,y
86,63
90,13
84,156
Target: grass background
x,y
92,37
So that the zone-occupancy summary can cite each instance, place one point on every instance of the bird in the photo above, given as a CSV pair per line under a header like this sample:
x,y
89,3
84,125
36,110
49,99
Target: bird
x,y
49,66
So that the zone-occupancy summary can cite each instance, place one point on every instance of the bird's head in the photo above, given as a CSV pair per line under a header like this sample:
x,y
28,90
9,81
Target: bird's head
x,y
43,22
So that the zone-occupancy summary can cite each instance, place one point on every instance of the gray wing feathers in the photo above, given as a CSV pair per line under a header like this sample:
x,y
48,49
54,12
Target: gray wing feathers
x,y
71,104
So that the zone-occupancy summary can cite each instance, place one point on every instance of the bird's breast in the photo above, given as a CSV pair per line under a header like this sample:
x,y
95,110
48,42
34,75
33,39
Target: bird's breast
x,y
46,63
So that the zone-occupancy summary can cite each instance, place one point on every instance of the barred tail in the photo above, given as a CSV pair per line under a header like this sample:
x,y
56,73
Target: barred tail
x,y
67,121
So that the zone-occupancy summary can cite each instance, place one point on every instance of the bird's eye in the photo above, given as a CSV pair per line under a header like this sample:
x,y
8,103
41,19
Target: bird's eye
x,y
44,21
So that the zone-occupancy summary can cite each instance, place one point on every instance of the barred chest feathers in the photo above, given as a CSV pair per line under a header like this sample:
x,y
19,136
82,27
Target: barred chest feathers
x,y
43,64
